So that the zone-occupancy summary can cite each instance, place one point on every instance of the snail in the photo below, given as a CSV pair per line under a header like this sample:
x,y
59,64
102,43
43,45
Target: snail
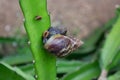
x,y
57,43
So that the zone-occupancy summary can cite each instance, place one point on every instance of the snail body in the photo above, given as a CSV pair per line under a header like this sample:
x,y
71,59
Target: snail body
x,y
57,43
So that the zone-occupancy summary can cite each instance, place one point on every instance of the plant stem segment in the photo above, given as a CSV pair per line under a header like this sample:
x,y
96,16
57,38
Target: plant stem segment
x,y
36,22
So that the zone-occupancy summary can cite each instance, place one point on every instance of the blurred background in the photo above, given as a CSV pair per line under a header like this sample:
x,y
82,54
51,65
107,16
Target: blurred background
x,y
80,17
84,15
89,20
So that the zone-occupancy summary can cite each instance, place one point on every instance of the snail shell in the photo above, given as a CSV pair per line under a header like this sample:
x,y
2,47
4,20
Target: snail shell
x,y
61,45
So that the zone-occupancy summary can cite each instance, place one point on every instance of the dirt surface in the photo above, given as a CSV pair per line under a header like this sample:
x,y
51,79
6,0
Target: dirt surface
x,y
80,17
10,17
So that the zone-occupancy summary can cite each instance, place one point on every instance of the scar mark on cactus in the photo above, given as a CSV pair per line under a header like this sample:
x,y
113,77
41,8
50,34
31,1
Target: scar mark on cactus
x,y
38,17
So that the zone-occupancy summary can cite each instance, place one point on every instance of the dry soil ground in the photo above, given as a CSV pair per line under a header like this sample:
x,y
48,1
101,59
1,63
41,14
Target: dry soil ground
x,y
79,16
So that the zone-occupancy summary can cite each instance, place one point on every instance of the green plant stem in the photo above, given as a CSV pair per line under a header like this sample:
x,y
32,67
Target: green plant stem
x,y
45,63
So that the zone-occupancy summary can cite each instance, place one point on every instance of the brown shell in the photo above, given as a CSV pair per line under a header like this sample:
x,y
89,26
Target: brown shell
x,y
61,45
